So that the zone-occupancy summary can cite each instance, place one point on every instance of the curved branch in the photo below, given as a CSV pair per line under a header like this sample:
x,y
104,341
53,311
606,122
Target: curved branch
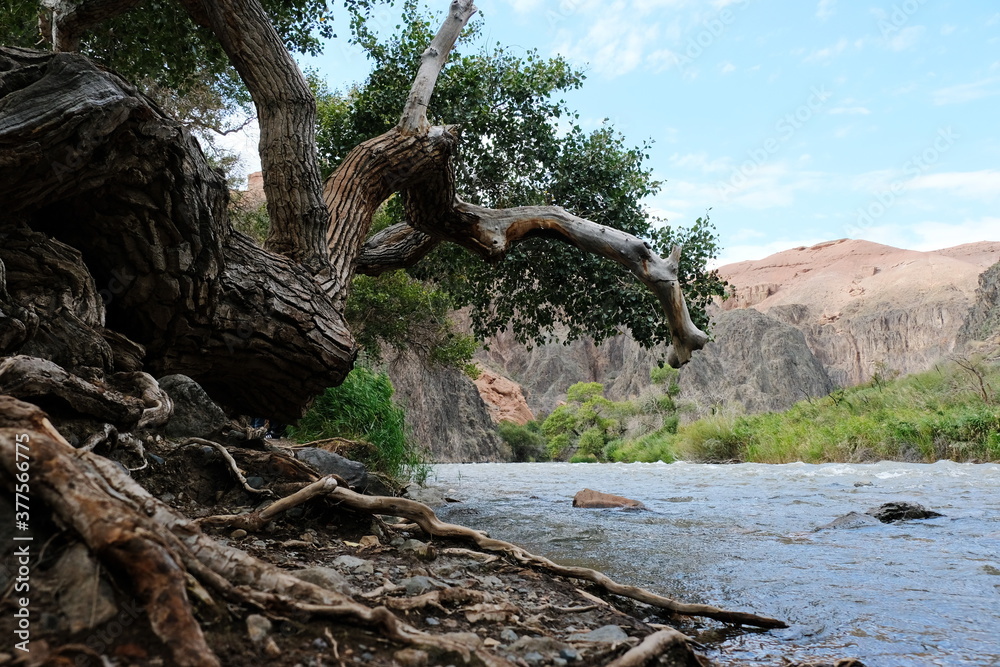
x,y
399,246
286,111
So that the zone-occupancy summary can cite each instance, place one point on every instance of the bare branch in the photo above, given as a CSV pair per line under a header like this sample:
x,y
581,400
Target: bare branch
x,y
414,118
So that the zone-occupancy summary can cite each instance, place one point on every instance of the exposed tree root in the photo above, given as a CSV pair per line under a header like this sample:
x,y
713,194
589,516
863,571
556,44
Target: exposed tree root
x,y
655,645
133,532
427,520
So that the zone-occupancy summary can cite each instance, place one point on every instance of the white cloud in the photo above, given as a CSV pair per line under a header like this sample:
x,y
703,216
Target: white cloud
x,y
854,111
243,143
824,9
983,184
905,38
727,67
967,92
947,29
828,53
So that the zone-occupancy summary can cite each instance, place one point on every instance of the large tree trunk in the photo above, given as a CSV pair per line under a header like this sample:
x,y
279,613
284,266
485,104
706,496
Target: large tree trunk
x,y
117,206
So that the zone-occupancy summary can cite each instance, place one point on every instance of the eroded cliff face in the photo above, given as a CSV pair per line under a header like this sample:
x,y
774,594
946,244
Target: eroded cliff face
x,y
864,306
753,361
859,306
982,325
445,412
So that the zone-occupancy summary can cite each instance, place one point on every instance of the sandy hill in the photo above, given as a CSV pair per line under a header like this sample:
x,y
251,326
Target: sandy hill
x,y
862,304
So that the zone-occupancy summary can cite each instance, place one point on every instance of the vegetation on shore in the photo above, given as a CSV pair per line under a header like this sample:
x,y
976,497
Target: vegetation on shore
x,y
949,412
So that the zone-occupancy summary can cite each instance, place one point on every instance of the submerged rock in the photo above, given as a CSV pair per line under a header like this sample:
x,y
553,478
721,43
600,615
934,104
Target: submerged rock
x,y
591,499
850,520
901,511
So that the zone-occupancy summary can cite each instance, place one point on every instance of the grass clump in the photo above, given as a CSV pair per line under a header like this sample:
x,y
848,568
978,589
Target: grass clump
x,y
362,409
951,412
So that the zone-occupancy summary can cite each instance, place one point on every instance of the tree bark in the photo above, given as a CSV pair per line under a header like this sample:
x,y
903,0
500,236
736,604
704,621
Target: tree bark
x,y
118,207
286,112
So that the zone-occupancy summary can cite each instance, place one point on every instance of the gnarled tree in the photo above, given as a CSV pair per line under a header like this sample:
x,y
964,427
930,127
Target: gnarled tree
x,y
118,264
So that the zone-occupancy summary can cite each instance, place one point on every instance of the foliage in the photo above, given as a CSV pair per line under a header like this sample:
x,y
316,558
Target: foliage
x,y
939,414
180,64
362,409
524,146
526,442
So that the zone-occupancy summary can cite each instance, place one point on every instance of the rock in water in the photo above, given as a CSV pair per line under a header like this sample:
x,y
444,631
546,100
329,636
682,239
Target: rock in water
x,y
901,511
850,520
195,414
591,498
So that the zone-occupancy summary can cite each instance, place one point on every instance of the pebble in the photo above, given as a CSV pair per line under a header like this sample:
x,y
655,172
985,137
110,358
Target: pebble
x,y
271,649
355,564
258,627
238,534
508,636
605,633
255,482
410,657
295,512
430,620
569,654
533,658
320,643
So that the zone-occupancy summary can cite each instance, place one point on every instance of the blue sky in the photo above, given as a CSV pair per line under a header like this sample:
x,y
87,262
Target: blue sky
x,y
794,122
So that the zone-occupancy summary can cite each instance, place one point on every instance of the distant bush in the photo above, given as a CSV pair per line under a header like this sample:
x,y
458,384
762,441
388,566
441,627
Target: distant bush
x,y
526,442
362,409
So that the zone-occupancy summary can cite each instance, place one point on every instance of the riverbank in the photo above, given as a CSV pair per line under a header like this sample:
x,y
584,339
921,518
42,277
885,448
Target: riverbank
x,y
449,599
951,412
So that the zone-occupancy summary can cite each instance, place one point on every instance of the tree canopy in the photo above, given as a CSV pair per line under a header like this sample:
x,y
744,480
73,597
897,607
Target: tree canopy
x,y
529,148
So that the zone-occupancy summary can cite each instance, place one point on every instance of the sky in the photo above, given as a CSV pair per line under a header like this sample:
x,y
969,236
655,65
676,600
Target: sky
x,y
791,123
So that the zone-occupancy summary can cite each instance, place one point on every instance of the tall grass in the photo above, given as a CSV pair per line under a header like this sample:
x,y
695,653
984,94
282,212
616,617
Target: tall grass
x,y
941,414
951,412
362,409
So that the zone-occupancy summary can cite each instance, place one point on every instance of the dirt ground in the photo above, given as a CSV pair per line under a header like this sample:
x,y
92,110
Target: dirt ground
x,y
84,615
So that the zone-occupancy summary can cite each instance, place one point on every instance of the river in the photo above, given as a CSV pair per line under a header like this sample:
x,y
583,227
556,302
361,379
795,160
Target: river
x,y
743,537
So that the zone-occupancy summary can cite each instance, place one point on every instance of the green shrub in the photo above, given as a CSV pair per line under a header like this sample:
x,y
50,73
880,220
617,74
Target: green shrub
x,y
526,442
362,409
581,392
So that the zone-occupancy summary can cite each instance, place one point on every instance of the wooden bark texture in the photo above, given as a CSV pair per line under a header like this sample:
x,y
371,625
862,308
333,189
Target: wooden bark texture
x,y
116,206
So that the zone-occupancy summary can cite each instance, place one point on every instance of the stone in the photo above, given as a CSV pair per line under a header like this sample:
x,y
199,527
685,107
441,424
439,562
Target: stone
x,y
195,414
589,498
354,564
508,636
420,584
411,657
901,511
258,628
330,463
848,521
606,633
326,577
428,495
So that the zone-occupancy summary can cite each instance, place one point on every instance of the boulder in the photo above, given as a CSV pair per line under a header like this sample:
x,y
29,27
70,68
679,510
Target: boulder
x,y
901,511
595,499
328,463
195,414
503,398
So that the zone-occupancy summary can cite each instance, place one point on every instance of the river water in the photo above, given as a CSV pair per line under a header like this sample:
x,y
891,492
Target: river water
x,y
743,537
